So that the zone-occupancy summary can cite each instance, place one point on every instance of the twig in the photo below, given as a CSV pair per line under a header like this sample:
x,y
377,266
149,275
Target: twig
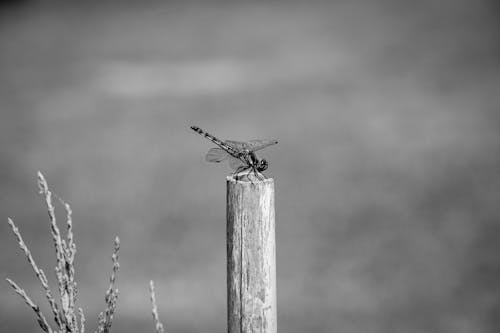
x,y
69,283
106,318
58,245
39,273
40,317
158,325
82,320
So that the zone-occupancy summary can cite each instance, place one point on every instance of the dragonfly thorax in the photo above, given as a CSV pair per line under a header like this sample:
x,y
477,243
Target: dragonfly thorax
x,y
254,162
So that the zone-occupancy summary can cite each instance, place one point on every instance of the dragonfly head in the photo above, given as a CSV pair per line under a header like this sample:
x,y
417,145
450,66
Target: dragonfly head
x,y
263,165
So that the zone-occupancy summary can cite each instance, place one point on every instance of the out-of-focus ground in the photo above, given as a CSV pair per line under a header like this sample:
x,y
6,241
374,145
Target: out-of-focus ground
x,y
387,172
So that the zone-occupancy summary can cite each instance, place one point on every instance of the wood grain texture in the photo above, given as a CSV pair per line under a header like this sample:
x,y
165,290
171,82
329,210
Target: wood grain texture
x,y
251,257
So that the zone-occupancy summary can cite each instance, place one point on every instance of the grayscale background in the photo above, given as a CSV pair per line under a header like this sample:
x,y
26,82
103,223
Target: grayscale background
x,y
387,172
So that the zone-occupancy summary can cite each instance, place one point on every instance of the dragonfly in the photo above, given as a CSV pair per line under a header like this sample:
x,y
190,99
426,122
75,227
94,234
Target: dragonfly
x,y
241,155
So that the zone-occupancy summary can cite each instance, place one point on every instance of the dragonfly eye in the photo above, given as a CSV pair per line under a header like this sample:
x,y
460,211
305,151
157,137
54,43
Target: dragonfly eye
x,y
263,165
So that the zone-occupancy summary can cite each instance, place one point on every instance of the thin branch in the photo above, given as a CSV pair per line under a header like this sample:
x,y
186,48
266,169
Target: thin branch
x,y
56,235
82,320
69,283
158,325
58,245
40,317
39,273
106,318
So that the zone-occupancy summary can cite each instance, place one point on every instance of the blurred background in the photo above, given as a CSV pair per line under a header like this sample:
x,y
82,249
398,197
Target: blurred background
x,y
387,170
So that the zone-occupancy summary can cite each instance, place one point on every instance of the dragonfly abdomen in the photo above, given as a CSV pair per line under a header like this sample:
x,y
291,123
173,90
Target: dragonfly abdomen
x,y
218,142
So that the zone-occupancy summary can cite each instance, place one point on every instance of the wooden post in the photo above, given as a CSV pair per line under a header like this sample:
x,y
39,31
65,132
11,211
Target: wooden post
x,y
251,257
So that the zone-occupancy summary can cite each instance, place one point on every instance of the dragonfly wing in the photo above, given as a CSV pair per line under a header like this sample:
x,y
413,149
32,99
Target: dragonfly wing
x,y
254,145
237,145
235,163
216,155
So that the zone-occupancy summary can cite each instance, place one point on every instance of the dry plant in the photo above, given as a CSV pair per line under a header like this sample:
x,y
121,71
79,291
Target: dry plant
x,y
156,318
67,319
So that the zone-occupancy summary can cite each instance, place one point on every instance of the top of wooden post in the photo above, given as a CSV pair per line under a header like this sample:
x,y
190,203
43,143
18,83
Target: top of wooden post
x,y
248,179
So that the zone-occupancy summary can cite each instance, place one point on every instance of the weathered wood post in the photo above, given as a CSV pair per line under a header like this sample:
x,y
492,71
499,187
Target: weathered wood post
x,y
251,257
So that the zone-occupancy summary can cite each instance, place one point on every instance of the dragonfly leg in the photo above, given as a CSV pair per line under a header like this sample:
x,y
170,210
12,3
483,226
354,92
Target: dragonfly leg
x,y
248,174
240,169
258,175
